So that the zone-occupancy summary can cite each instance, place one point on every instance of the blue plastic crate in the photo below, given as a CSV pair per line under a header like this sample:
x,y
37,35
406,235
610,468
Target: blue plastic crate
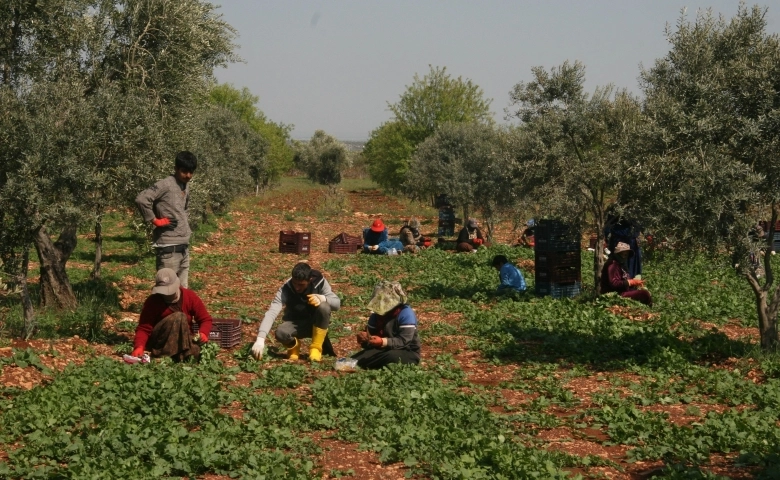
x,y
559,290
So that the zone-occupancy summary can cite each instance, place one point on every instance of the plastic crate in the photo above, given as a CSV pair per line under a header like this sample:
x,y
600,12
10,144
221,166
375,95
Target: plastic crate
x,y
556,236
446,213
344,247
225,332
544,260
559,290
294,242
290,236
558,275
548,245
447,231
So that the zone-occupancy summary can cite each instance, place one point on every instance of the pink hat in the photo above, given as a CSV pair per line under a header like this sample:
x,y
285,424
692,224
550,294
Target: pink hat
x,y
378,226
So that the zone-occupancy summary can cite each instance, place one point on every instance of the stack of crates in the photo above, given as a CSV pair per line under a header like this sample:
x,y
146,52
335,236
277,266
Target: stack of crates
x,y
558,268
446,221
294,242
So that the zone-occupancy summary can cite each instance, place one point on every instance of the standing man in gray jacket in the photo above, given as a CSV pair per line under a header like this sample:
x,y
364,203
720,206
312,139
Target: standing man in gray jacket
x,y
165,204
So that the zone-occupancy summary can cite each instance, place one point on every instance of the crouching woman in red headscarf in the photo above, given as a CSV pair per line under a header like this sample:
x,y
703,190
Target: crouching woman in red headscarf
x,y
391,334
615,278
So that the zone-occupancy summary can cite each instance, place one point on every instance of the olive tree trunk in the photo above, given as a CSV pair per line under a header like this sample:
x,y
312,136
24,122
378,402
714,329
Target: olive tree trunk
x,y
766,306
600,220
98,248
56,290
27,307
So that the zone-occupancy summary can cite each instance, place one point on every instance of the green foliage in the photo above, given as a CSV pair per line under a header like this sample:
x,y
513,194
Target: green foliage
x,y
231,159
573,147
25,358
142,421
408,415
281,376
388,152
278,154
712,108
426,104
467,162
97,92
322,158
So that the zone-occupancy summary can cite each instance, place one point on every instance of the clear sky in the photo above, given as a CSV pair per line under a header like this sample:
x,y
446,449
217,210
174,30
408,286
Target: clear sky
x,y
334,65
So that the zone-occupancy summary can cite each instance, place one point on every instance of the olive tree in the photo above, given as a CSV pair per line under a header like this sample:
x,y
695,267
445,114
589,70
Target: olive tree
x,y
279,154
322,159
427,103
231,157
575,158
104,87
469,162
708,156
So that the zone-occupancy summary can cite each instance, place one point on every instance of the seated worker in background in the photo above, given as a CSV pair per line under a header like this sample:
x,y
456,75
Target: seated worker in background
x,y
308,301
391,334
511,277
527,238
375,240
470,237
411,238
165,326
615,277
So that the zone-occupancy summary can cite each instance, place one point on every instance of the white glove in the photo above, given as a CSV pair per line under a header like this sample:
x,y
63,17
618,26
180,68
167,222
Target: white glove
x,y
315,299
258,347
374,247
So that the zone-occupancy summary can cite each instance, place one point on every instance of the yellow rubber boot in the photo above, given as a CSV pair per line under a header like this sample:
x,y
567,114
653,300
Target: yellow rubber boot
x,y
317,337
294,352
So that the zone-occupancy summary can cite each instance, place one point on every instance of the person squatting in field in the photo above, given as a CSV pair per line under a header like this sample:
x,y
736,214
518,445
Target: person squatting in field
x,y
166,205
470,237
307,300
411,238
615,276
375,240
391,333
165,327
510,276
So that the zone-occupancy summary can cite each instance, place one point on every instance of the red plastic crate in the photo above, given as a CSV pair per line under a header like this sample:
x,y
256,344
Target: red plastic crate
x,y
294,242
343,247
225,332
345,243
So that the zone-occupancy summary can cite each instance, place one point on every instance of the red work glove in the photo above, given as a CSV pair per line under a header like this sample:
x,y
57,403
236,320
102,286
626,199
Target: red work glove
x,y
477,241
375,341
635,282
203,337
165,222
137,352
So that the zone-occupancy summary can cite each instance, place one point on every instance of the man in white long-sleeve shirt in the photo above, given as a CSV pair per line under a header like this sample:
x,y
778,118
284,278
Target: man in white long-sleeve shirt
x,y
307,301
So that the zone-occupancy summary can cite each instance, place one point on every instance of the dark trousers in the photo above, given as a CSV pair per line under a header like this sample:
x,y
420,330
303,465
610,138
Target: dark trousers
x,y
375,358
301,327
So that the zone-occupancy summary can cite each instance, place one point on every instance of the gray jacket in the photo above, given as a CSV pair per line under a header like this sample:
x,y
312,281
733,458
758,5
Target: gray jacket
x,y
286,295
166,199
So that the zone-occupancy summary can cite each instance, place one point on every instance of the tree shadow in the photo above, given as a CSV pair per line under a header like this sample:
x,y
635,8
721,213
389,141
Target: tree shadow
x,y
121,258
533,344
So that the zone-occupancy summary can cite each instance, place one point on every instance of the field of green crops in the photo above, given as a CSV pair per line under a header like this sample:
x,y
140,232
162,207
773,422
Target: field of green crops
x,y
509,387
